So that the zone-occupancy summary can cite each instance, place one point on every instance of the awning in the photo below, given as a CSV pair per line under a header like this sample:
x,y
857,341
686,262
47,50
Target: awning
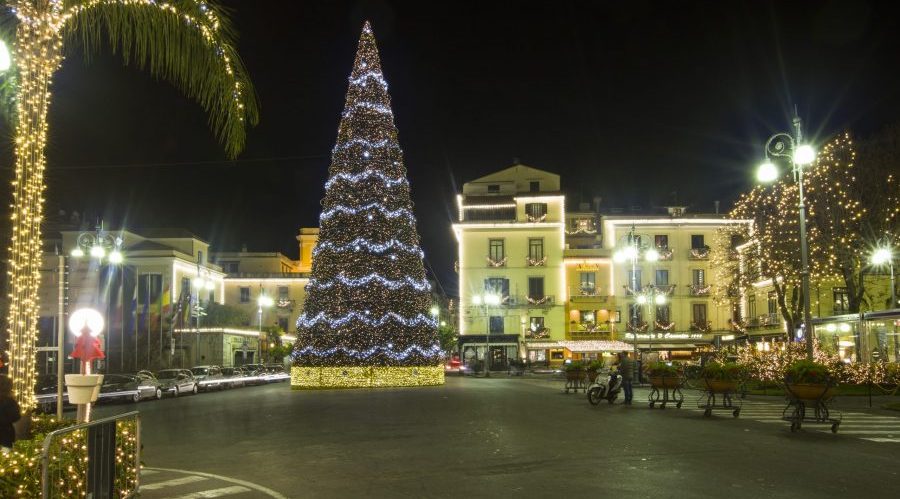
x,y
666,346
581,345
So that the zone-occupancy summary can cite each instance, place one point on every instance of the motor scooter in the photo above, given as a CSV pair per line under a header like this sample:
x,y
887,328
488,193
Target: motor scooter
x,y
607,387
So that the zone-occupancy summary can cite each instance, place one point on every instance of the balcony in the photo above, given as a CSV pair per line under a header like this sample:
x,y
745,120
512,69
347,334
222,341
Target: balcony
x,y
535,262
589,331
535,218
640,327
665,254
496,263
539,301
699,253
285,304
587,294
542,333
701,326
699,289
664,289
663,326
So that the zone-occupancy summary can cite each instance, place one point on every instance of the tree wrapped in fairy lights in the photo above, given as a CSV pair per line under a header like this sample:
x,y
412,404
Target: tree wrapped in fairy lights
x,y
365,319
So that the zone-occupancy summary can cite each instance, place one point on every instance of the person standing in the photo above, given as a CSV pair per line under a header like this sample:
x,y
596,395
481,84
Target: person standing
x,y
626,370
9,414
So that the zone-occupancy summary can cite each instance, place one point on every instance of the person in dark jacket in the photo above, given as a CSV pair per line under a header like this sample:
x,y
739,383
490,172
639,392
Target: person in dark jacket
x,y
9,414
626,370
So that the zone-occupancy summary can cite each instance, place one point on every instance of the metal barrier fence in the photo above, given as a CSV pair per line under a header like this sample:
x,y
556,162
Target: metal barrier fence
x,y
100,459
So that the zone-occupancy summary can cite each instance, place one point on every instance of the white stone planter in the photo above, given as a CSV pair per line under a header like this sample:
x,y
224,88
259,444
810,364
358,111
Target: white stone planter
x,y
83,388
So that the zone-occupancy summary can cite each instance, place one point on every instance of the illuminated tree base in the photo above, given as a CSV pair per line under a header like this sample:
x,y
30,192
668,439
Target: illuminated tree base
x,y
314,378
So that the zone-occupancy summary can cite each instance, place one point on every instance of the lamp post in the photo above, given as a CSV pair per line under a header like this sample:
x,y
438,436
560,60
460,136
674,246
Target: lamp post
x,y
488,300
200,284
633,250
100,245
5,57
650,296
884,256
86,324
262,301
783,145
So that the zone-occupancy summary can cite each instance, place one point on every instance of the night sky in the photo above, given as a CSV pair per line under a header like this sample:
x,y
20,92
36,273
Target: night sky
x,y
642,103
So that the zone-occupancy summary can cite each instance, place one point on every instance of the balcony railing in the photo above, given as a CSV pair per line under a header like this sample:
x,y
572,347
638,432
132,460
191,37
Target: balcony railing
x,y
665,254
539,301
496,263
535,262
701,326
699,289
666,289
640,327
284,304
699,253
587,294
537,334
663,325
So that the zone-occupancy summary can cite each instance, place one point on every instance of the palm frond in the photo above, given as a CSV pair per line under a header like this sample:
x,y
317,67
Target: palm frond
x,y
186,42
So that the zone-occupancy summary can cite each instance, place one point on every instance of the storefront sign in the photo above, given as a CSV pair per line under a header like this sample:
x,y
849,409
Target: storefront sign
x,y
584,267
665,336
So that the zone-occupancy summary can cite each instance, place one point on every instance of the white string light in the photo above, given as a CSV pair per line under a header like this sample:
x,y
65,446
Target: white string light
x,y
418,320
378,108
365,175
419,285
362,354
359,243
400,212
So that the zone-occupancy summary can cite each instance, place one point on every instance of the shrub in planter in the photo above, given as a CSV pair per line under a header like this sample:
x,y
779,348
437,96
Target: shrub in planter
x,y
660,370
721,376
573,366
809,380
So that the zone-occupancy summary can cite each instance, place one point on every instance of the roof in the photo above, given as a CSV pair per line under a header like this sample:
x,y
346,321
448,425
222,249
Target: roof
x,y
510,173
167,233
147,245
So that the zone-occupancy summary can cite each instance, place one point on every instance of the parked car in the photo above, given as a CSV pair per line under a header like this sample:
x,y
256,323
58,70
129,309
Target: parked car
x,y
149,383
45,391
233,377
128,387
177,381
208,377
275,373
255,374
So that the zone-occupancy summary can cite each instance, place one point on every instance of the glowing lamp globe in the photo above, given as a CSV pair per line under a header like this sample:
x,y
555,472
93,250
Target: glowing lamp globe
x,y
98,252
619,256
210,285
115,256
86,317
434,311
265,301
77,253
660,299
767,172
642,299
5,58
881,256
630,252
651,255
492,299
804,155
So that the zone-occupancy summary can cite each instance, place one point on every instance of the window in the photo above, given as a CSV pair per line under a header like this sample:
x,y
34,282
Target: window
x,y
283,292
534,186
496,326
536,323
185,286
587,280
698,277
662,277
536,248
497,285
617,318
536,287
283,323
697,241
661,241
495,249
841,300
245,295
751,306
587,316
699,313
536,211
635,313
634,279
493,188
772,302
663,313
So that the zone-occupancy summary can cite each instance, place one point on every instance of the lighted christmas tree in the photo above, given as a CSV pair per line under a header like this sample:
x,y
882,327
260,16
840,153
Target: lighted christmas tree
x,y
365,319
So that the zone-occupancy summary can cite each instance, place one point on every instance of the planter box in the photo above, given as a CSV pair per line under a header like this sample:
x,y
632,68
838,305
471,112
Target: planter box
x,y
574,375
665,382
83,388
807,391
720,386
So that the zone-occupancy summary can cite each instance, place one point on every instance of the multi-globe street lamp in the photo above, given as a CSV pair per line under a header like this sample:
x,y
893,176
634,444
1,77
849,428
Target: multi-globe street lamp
x,y
486,301
634,250
784,145
884,256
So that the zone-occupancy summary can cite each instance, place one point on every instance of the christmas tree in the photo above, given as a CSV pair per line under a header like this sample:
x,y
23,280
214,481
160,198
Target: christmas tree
x,y
365,319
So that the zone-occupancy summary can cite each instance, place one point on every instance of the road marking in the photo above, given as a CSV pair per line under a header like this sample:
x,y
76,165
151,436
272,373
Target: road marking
x,y
259,488
880,439
870,432
173,482
145,471
205,494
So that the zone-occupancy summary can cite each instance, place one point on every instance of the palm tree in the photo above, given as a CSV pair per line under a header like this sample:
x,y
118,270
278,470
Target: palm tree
x,y
187,42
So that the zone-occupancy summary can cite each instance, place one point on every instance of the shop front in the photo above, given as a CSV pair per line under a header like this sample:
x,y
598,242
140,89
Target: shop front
x,y
500,349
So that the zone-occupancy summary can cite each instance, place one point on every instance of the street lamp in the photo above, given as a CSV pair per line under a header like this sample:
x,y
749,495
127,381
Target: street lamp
x,y
884,256
783,145
5,58
263,301
487,300
632,251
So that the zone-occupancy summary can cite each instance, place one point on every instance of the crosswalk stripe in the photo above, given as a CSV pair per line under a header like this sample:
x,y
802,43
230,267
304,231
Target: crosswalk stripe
x,y
880,439
173,482
205,494
871,432
148,472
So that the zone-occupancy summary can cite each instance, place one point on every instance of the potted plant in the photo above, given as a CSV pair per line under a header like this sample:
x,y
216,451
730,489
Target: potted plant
x,y
721,377
593,369
83,388
574,370
809,380
663,375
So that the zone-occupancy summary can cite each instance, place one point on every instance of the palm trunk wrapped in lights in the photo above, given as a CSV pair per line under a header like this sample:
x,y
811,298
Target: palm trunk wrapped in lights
x,y
189,43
